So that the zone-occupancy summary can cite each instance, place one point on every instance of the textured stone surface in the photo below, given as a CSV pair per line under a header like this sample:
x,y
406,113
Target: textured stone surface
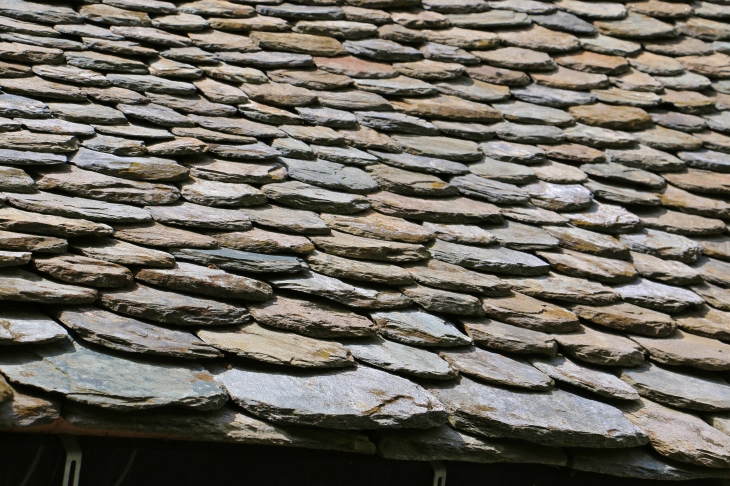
x,y
348,403
27,327
130,335
555,417
594,380
685,349
399,358
88,376
599,347
530,313
678,435
499,260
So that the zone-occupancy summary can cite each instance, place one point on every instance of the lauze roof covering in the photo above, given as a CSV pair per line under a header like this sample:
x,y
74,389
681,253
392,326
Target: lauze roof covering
x,y
429,229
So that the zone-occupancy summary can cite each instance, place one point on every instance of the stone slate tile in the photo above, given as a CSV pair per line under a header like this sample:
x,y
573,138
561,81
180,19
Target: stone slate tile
x,y
378,226
593,380
17,220
223,425
331,288
577,239
530,313
563,288
82,270
28,327
299,399
685,349
263,241
678,389
507,338
125,334
276,347
638,462
489,411
122,253
351,246
445,443
415,327
496,368
340,267
601,348
312,318
444,210
172,308
87,376
399,358
212,282
443,301
497,260
663,245
14,258
77,207
241,261
27,243
678,435
442,275
606,218
704,321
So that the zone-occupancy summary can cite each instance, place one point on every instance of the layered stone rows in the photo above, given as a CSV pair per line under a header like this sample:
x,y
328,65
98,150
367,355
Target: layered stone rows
x,y
432,230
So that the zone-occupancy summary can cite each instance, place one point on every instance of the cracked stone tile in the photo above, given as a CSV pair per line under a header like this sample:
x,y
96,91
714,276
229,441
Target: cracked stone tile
x,y
442,275
130,335
665,271
460,233
442,301
340,267
410,184
194,215
160,236
559,197
605,218
658,296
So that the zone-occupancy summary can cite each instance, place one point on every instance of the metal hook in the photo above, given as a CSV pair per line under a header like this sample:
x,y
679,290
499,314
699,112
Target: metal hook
x,y
439,473
72,471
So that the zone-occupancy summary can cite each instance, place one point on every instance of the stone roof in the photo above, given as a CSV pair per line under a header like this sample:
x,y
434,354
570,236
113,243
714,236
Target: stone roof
x,y
464,230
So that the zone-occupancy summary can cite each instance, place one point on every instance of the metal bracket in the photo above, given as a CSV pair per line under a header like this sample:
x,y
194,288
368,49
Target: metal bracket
x,y
72,471
439,473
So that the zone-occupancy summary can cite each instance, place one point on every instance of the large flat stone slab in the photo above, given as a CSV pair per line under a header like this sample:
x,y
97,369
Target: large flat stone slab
x,y
78,207
601,348
361,398
378,226
505,337
347,245
82,270
628,317
442,275
113,381
658,296
555,417
129,335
